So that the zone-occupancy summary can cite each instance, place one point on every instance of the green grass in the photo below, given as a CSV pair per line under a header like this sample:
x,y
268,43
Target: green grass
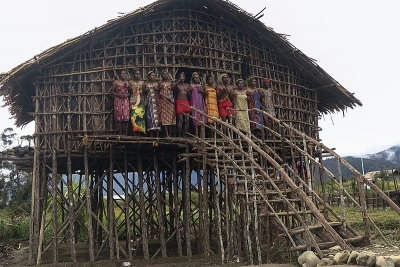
x,y
388,222
16,227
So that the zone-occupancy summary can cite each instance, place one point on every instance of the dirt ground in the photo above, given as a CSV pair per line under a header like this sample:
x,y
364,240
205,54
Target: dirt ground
x,y
15,253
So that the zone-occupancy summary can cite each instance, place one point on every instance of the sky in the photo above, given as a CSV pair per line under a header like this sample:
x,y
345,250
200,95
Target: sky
x,y
356,42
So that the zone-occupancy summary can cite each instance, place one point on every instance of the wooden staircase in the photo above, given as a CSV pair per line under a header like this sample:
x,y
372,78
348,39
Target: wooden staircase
x,y
269,201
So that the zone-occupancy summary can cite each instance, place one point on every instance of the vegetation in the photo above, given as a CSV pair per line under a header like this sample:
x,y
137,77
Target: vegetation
x,y
388,221
15,189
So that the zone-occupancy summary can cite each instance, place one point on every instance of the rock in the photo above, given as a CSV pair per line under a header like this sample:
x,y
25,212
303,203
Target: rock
x,y
396,260
325,262
353,257
335,248
366,258
309,258
341,257
383,261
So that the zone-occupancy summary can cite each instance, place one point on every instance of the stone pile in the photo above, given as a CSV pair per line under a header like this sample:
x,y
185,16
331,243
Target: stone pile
x,y
336,256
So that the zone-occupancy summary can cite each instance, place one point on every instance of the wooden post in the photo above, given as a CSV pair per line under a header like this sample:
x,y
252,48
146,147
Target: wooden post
x,y
217,205
71,212
110,204
161,221
143,215
342,206
204,206
127,199
177,220
187,203
54,176
88,206
33,223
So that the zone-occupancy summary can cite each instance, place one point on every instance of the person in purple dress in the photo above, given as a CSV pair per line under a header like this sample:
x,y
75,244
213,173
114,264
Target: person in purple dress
x,y
197,101
253,96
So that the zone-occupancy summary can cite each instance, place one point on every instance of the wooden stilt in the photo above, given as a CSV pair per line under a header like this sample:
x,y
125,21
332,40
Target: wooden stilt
x,y
127,199
110,206
71,211
89,207
177,219
161,220
54,182
143,216
187,202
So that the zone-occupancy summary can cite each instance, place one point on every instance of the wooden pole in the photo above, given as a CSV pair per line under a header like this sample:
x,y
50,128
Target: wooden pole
x,y
127,199
54,176
161,220
33,223
110,204
177,219
88,206
71,212
143,215
206,236
187,203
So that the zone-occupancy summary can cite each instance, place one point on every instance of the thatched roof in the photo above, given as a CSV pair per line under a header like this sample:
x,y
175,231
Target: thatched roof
x,y
17,85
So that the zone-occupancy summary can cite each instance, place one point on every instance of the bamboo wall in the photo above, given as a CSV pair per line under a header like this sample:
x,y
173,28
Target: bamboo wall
x,y
72,95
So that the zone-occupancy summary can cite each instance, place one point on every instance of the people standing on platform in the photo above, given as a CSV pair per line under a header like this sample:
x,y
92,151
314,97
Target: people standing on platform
x,y
197,102
121,92
256,118
210,98
182,96
152,104
137,102
167,103
241,107
267,104
225,97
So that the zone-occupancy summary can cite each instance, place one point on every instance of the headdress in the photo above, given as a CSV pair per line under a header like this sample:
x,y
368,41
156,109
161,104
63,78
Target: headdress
x,y
222,76
266,80
239,80
150,72
193,75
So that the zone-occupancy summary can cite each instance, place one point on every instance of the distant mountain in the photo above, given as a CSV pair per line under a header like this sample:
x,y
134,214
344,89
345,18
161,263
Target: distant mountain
x,y
391,154
387,159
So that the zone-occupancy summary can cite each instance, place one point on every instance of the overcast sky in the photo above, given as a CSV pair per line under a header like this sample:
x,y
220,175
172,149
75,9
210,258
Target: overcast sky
x,y
355,41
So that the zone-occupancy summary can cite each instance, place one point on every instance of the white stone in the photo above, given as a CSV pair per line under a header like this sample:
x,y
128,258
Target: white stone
x,y
353,257
366,258
383,261
309,258
341,257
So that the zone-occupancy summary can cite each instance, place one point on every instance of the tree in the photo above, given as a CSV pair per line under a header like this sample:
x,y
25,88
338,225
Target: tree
x,y
14,182
383,176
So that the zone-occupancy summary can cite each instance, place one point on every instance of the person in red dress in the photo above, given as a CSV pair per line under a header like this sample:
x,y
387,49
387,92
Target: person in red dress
x,y
121,92
182,96
225,97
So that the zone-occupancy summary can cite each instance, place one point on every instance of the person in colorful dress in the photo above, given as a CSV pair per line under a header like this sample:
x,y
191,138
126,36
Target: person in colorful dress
x,y
138,113
210,98
167,103
182,95
120,90
241,107
153,121
197,101
267,104
256,118
225,97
